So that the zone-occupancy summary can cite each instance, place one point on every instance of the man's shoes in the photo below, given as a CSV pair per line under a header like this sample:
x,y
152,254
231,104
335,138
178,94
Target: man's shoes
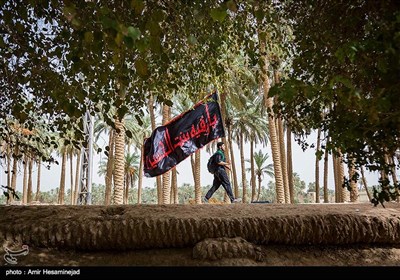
x,y
205,200
237,200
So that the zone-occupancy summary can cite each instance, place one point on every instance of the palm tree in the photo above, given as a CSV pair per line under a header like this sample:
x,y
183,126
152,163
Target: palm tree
x,y
248,124
317,159
14,170
99,128
289,162
140,132
150,108
353,183
268,102
364,180
326,155
61,193
258,135
131,173
166,177
261,168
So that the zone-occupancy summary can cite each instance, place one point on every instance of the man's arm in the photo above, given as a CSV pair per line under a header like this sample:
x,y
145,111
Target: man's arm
x,y
224,164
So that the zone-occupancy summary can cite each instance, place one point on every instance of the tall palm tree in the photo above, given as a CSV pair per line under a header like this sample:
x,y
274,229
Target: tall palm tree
x,y
268,102
280,133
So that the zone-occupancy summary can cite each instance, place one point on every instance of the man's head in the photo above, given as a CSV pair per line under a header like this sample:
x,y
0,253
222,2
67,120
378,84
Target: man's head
x,y
220,145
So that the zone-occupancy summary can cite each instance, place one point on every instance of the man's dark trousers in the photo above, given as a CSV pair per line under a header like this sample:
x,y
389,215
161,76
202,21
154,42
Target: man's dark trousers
x,y
220,177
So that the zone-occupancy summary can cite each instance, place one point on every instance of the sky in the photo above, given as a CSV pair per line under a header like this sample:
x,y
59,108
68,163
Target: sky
x,y
303,164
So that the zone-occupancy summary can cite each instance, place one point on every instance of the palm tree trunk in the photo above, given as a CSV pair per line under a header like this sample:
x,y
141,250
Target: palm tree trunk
x,y
335,176
283,160
153,126
364,180
140,183
197,182
30,175
341,173
290,163
110,167
119,163
234,172
243,167
259,188
317,166
174,187
281,139
77,171
253,175
8,155
353,184
227,158
326,197
171,195
71,171
127,182
61,191
280,194
394,177
166,177
193,165
14,173
25,181
39,165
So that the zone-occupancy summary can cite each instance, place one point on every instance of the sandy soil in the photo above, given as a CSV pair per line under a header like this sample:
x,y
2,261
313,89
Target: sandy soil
x,y
203,235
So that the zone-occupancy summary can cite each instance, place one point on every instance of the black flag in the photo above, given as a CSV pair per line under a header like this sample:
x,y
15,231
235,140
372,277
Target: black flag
x,y
170,144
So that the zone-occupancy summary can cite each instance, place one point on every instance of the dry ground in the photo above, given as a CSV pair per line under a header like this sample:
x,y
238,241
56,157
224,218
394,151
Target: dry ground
x,y
203,235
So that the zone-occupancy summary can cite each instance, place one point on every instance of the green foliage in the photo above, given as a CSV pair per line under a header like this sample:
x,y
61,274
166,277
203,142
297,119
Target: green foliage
x,y
345,78
8,193
385,192
63,58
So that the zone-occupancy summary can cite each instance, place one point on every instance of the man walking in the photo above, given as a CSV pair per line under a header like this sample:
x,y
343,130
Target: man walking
x,y
220,175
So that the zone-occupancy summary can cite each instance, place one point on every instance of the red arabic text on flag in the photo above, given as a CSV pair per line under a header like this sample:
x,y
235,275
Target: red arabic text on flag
x,y
170,144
